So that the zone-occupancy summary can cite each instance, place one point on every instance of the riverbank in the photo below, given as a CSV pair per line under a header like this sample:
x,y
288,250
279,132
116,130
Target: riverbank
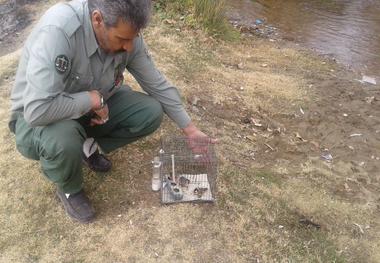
x,y
298,174
346,30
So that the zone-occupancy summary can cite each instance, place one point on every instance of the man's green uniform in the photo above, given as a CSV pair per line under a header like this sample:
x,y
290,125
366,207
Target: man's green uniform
x,y
60,63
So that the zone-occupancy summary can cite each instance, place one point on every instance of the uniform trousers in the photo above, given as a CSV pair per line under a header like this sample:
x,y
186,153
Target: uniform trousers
x,y
59,146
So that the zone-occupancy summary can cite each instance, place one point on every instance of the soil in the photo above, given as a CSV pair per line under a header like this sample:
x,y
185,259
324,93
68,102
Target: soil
x,y
299,141
15,17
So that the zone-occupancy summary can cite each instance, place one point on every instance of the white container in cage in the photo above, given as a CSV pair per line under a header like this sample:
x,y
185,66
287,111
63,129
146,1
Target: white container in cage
x,y
188,170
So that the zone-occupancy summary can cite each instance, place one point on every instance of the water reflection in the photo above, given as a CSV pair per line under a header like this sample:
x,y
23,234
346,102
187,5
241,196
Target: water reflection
x,y
347,29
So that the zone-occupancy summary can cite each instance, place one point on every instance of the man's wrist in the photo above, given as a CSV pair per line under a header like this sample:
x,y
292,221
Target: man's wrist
x,y
189,129
102,103
97,99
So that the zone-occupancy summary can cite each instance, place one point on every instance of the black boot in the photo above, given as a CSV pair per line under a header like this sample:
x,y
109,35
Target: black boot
x,y
97,162
77,206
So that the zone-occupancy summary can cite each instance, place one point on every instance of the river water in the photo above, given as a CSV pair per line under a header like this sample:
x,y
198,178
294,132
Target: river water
x,y
348,30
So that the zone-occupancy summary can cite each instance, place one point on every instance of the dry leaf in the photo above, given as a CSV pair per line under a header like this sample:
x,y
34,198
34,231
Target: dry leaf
x,y
298,136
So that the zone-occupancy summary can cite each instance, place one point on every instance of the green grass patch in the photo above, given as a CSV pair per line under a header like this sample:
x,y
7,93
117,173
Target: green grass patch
x,y
206,14
268,177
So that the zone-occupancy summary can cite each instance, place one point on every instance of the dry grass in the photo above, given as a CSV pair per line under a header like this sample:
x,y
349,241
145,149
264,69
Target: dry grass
x,y
262,194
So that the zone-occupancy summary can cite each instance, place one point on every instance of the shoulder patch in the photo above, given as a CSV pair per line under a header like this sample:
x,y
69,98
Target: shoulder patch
x,y
62,64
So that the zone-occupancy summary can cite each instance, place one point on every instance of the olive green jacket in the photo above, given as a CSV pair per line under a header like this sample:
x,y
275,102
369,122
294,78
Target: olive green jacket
x,y
61,62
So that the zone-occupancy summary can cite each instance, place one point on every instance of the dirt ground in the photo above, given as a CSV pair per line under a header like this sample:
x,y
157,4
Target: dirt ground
x,y
298,176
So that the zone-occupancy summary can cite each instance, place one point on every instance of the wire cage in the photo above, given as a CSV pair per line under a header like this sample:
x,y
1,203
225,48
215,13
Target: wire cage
x,y
188,170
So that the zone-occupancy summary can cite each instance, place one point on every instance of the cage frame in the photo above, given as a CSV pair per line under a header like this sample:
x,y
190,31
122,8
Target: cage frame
x,y
205,161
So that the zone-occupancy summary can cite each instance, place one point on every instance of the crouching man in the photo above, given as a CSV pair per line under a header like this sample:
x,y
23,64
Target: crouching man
x,y
69,97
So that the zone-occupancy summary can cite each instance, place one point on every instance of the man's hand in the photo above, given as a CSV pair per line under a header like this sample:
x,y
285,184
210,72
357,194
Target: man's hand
x,y
197,140
101,113
96,99
100,117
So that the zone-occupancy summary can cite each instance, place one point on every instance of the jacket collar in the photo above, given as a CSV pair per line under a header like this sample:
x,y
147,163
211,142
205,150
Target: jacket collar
x,y
90,39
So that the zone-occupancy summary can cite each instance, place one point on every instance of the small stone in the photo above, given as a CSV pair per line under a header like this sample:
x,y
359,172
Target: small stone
x,y
240,65
195,101
345,114
195,109
369,100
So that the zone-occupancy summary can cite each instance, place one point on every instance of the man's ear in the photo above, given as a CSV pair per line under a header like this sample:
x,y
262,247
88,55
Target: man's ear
x,y
97,18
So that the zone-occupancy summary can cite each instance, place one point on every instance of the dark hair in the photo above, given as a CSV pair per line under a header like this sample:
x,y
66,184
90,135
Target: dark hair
x,y
136,12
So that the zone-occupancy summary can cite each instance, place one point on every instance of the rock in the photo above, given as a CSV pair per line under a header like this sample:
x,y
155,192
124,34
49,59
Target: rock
x,y
246,120
170,21
194,100
240,65
195,109
256,122
369,100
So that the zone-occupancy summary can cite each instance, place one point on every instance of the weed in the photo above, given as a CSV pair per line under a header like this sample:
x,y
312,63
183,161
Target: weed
x,y
208,14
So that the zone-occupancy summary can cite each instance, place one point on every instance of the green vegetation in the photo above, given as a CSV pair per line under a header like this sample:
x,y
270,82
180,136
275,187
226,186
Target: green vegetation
x,y
208,14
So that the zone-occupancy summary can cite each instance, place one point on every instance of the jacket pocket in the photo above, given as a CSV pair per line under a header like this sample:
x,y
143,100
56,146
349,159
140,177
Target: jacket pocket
x,y
79,82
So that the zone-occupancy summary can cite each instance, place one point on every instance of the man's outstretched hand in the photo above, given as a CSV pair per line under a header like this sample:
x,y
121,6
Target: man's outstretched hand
x,y
197,140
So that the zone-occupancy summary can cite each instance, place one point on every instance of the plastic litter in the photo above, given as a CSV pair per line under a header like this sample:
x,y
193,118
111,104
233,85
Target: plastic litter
x,y
369,80
327,156
259,22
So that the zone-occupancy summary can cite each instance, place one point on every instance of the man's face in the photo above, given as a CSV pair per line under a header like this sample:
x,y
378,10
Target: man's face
x,y
113,39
